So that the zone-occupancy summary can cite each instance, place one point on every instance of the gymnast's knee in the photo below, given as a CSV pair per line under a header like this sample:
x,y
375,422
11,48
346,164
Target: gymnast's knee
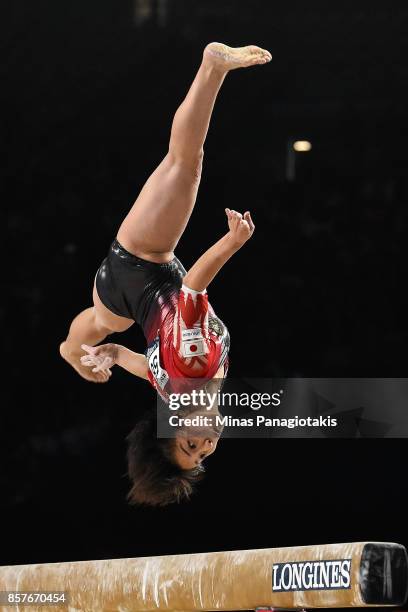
x,y
189,163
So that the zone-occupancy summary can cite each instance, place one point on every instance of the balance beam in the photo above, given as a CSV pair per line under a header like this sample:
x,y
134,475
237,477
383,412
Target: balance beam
x,y
363,574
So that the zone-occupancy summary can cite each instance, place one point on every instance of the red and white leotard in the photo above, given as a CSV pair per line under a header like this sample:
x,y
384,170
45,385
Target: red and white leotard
x,y
190,342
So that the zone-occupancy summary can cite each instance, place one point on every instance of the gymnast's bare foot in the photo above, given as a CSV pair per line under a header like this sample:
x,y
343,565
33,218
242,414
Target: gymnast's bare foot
x,y
229,58
73,358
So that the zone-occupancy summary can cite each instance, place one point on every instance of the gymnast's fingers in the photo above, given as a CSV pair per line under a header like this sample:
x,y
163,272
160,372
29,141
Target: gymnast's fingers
x,y
91,350
103,365
248,219
89,361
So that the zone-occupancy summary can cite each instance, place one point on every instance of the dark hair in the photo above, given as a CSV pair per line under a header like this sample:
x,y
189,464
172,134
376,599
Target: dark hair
x,y
157,480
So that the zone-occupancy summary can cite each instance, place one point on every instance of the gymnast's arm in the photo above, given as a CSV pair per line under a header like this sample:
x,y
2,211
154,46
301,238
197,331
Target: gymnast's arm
x,y
207,267
104,356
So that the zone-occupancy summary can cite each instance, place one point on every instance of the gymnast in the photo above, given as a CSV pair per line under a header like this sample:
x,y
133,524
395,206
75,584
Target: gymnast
x,y
142,280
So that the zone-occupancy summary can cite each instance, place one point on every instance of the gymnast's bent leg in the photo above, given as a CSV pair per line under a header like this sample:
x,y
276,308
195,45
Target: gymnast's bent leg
x,y
90,327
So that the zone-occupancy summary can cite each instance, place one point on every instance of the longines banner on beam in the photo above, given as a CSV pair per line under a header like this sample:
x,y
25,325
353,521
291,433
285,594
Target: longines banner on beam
x,y
281,408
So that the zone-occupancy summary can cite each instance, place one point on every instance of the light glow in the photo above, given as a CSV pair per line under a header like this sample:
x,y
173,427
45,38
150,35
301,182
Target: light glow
x,y
302,146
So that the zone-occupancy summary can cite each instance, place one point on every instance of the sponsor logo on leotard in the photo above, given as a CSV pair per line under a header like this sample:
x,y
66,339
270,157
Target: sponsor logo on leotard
x,y
312,575
191,334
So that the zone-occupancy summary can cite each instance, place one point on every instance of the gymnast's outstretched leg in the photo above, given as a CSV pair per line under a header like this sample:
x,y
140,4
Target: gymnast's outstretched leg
x,y
160,214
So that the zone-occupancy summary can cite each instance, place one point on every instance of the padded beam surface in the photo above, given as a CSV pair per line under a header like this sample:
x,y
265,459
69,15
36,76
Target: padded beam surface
x,y
328,576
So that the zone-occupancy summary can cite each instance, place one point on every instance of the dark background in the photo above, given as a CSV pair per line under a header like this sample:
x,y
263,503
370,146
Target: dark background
x,y
88,92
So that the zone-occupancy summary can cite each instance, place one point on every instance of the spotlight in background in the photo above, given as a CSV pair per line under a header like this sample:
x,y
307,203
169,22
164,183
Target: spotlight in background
x,y
302,146
294,147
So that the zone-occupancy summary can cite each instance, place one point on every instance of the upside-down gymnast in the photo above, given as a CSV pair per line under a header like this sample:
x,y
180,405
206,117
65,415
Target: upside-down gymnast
x,y
141,279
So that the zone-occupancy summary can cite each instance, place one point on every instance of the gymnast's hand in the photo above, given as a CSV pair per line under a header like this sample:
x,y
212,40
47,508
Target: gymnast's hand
x,y
241,226
100,358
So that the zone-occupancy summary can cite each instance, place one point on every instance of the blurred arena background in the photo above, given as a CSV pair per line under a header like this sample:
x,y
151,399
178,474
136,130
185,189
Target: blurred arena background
x,y
88,92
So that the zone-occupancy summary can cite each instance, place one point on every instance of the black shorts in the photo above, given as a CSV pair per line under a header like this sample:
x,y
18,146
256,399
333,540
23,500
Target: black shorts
x,y
130,286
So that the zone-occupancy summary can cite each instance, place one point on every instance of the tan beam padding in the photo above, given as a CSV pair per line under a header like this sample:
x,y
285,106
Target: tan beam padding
x,y
327,576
